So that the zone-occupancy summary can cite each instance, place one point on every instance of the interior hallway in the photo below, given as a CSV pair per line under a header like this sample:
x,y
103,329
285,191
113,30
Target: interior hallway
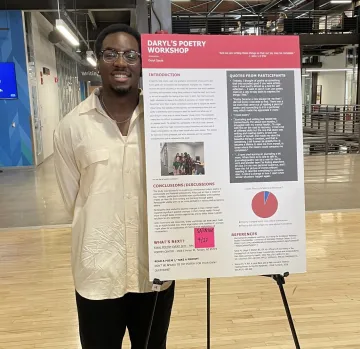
x,y
31,197
38,310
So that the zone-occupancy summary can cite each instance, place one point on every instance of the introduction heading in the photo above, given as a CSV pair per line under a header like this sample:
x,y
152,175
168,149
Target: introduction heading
x,y
173,46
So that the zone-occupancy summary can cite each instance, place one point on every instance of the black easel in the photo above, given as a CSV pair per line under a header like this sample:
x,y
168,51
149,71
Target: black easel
x,y
156,287
208,330
280,280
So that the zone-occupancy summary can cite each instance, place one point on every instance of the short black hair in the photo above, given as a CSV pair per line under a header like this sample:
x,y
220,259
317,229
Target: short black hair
x,y
116,28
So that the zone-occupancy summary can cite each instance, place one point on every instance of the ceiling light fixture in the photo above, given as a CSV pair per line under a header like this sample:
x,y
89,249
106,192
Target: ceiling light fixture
x,y
67,33
90,58
313,70
247,15
341,1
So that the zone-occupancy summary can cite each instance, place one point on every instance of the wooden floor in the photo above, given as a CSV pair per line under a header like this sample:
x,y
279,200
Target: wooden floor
x,y
37,308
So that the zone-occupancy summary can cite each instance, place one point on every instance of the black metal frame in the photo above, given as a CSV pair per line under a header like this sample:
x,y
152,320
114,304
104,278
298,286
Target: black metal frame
x,y
296,23
280,280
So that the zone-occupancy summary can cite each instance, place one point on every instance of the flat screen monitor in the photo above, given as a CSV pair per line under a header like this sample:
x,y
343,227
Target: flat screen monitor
x,y
8,87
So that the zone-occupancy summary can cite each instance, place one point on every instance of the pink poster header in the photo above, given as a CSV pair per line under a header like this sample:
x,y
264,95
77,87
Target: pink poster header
x,y
220,51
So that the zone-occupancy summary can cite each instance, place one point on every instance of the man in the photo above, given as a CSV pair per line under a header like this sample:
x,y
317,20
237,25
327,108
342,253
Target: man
x,y
100,167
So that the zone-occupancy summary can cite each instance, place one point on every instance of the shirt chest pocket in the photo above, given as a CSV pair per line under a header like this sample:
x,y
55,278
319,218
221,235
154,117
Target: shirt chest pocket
x,y
96,171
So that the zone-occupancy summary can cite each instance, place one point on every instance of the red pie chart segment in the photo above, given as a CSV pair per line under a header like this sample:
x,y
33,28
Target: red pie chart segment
x,y
264,204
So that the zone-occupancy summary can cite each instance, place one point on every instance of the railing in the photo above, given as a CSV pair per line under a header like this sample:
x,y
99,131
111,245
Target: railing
x,y
331,129
269,23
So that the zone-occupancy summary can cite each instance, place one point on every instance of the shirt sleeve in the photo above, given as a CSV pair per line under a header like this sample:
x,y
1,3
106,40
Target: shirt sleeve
x,y
66,169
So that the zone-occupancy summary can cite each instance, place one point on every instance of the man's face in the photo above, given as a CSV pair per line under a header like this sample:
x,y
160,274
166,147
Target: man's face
x,y
120,76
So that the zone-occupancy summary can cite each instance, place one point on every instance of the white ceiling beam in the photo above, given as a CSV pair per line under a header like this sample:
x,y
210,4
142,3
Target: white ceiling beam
x,y
243,7
202,4
215,6
185,9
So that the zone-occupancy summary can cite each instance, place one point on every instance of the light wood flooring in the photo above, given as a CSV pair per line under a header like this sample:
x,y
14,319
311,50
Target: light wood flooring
x,y
37,308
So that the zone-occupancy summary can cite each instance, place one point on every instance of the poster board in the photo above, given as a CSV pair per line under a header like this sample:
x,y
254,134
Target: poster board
x,y
224,155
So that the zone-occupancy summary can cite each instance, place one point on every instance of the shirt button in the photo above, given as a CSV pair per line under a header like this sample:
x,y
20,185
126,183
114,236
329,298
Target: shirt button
x,y
128,196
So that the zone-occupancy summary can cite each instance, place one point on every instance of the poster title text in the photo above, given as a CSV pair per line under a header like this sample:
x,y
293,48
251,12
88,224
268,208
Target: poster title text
x,y
173,46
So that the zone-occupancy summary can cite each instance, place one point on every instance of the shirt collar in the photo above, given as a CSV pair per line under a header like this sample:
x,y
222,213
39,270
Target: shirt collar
x,y
93,103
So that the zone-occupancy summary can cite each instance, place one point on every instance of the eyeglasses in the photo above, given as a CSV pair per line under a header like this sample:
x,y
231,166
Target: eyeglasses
x,y
130,57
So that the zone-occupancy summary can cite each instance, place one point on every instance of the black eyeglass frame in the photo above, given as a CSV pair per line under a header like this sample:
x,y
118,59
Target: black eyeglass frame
x,y
119,54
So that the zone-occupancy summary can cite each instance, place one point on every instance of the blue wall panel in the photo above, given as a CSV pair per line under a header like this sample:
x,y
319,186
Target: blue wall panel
x,y
15,142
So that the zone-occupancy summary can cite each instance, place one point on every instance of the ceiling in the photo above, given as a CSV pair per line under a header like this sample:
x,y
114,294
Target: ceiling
x,y
90,22
89,17
38,5
203,7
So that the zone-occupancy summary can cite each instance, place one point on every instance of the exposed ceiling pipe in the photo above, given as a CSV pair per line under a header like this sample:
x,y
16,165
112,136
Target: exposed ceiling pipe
x,y
271,5
243,7
185,9
293,5
250,6
92,19
66,15
239,9
218,3
191,7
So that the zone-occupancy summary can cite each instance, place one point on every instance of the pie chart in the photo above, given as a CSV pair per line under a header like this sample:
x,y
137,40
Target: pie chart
x,y
264,204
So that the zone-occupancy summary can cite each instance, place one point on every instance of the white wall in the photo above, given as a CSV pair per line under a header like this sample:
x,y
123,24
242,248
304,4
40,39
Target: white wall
x,y
44,52
333,83
199,151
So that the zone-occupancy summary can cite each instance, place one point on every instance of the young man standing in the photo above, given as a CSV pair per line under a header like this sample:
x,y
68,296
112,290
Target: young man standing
x,y
100,167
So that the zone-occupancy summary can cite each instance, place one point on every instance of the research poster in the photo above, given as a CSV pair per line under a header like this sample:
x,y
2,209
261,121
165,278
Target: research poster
x,y
224,155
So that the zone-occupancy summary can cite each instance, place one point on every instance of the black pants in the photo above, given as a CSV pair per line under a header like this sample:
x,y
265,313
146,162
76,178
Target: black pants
x,y
102,324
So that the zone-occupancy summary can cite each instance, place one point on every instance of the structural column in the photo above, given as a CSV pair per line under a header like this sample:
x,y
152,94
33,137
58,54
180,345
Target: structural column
x,y
140,17
355,53
161,16
316,16
314,82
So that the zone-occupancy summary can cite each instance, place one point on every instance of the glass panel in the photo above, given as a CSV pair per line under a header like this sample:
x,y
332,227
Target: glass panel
x,y
33,90
69,87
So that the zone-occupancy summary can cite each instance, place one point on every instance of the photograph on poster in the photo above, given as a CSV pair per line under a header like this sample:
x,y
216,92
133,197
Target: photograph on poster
x,y
182,158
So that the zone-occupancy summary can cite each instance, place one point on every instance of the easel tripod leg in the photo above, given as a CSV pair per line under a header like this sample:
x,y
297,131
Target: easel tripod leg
x,y
280,280
208,313
288,314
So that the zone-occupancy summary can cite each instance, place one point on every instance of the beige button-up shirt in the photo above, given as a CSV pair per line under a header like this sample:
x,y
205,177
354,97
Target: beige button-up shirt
x,y
101,175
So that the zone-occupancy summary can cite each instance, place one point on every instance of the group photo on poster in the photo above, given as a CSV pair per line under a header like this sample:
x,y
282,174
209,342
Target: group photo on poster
x,y
188,159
